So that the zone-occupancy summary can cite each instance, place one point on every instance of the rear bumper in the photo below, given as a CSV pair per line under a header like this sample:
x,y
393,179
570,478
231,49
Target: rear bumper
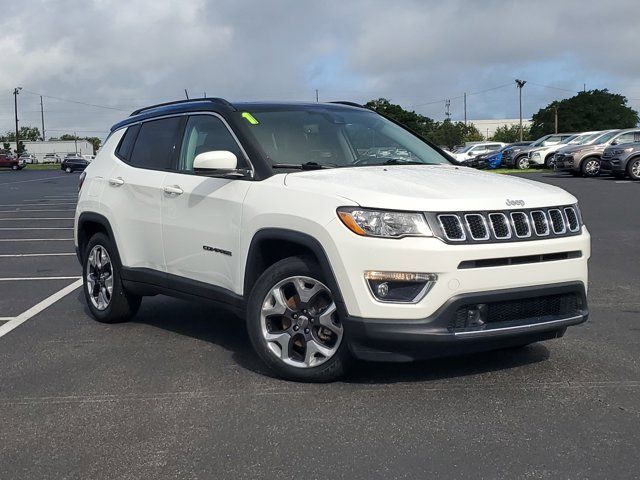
x,y
440,334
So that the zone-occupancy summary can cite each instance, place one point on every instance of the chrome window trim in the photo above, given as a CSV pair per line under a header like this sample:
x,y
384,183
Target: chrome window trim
x,y
484,222
546,222
506,222
527,222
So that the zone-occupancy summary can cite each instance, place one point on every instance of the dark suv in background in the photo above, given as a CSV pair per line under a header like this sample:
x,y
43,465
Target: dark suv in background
x,y
622,160
73,163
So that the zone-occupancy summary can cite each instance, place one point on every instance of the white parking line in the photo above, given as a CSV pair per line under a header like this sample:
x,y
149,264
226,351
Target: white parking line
x,y
39,210
10,255
34,180
17,279
37,228
34,239
6,319
35,204
35,218
47,302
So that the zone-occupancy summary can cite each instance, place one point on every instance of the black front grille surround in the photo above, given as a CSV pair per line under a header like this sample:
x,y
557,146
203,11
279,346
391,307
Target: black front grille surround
x,y
506,225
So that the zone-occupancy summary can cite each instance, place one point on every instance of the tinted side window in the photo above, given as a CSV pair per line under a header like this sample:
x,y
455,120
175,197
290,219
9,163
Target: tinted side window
x,y
624,138
205,133
155,144
126,143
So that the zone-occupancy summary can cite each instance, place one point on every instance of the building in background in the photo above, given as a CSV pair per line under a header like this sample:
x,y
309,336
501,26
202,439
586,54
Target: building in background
x,y
488,127
60,147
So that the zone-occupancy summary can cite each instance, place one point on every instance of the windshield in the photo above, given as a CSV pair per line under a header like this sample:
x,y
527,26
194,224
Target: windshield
x,y
605,138
336,138
538,142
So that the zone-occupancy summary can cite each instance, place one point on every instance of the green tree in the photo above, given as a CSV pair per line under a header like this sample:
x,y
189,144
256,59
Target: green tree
x,y
26,133
591,110
510,134
416,122
94,141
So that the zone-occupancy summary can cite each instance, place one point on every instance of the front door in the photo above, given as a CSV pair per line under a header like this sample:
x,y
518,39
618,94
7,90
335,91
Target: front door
x,y
201,216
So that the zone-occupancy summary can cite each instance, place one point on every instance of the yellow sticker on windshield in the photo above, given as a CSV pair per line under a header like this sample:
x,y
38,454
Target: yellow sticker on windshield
x,y
250,118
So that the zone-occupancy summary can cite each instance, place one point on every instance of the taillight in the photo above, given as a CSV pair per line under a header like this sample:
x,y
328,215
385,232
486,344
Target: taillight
x,y
81,181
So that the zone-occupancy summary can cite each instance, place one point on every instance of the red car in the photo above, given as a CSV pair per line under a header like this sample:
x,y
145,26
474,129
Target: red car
x,y
9,161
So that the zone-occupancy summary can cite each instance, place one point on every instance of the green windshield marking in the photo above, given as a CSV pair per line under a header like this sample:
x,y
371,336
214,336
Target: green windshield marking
x,y
250,118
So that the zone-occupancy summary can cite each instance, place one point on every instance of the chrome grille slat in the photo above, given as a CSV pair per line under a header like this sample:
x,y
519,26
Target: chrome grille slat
x,y
521,225
500,226
540,223
507,225
557,221
477,226
452,227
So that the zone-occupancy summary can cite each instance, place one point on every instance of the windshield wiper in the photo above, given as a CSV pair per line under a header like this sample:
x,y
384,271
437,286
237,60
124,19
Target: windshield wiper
x,y
302,166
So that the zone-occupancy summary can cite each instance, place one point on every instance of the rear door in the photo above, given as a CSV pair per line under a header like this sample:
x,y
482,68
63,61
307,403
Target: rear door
x,y
201,216
133,193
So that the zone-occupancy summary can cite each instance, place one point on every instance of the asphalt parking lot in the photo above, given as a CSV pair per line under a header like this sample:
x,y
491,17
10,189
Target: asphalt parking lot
x,y
178,393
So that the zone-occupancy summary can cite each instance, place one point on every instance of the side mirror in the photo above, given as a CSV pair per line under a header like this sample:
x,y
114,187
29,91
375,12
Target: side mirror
x,y
217,163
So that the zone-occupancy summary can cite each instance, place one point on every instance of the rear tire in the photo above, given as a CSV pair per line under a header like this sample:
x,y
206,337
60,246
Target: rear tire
x,y
590,167
106,298
633,168
294,324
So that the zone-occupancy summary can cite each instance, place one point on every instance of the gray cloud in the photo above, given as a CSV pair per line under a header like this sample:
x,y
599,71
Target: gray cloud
x,y
128,54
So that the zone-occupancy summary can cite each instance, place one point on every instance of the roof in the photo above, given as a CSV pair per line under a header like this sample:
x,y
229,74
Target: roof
x,y
222,105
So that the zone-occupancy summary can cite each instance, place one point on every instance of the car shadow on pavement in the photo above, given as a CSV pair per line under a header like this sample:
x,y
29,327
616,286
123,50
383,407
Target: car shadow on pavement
x,y
206,322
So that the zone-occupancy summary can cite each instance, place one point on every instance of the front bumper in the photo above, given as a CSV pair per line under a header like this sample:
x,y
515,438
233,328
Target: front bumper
x,y
565,163
440,334
612,165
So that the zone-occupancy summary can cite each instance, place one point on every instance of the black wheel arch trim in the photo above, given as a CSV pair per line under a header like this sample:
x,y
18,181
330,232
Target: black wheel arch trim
x,y
252,263
93,217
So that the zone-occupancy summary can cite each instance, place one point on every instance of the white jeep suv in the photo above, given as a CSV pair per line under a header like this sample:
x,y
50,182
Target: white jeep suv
x,y
334,231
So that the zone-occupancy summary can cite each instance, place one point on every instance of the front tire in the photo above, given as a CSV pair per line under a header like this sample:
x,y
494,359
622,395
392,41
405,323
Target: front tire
x,y
522,163
106,298
590,167
633,168
294,324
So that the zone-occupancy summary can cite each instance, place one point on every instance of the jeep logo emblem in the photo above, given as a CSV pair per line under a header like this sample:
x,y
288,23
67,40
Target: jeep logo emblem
x,y
514,203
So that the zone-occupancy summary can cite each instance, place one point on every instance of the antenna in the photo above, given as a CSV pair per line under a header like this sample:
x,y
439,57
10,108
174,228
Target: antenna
x,y
186,93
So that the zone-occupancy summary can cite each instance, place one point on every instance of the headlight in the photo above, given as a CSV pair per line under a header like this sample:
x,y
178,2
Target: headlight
x,y
382,223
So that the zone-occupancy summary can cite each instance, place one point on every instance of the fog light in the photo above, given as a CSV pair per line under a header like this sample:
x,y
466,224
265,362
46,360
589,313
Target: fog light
x,y
399,287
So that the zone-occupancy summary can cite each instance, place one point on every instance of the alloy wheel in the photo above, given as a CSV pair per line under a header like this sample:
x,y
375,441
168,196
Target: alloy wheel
x,y
99,277
299,322
592,167
635,169
523,163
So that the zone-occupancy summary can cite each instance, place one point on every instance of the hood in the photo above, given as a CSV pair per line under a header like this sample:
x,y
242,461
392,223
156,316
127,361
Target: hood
x,y
434,188
577,148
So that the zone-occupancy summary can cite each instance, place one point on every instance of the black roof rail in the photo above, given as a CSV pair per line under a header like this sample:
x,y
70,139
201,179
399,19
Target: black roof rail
x,y
350,104
178,102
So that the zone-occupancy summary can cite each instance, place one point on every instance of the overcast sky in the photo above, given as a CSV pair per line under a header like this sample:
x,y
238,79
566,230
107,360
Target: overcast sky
x,y
126,54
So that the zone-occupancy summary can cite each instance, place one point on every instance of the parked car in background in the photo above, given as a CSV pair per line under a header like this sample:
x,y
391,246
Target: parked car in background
x,y
585,159
10,161
73,163
621,161
51,158
474,150
88,158
28,158
516,156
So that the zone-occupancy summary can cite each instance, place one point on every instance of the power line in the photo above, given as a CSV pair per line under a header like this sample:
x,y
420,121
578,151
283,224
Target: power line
x,y
554,88
78,102
461,96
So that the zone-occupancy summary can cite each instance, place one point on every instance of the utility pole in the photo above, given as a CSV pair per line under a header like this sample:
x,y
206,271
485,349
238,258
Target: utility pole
x,y
520,84
465,109
584,87
42,117
75,141
555,107
317,96
15,106
447,108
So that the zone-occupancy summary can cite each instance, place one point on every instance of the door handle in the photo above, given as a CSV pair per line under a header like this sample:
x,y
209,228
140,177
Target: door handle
x,y
116,182
172,190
